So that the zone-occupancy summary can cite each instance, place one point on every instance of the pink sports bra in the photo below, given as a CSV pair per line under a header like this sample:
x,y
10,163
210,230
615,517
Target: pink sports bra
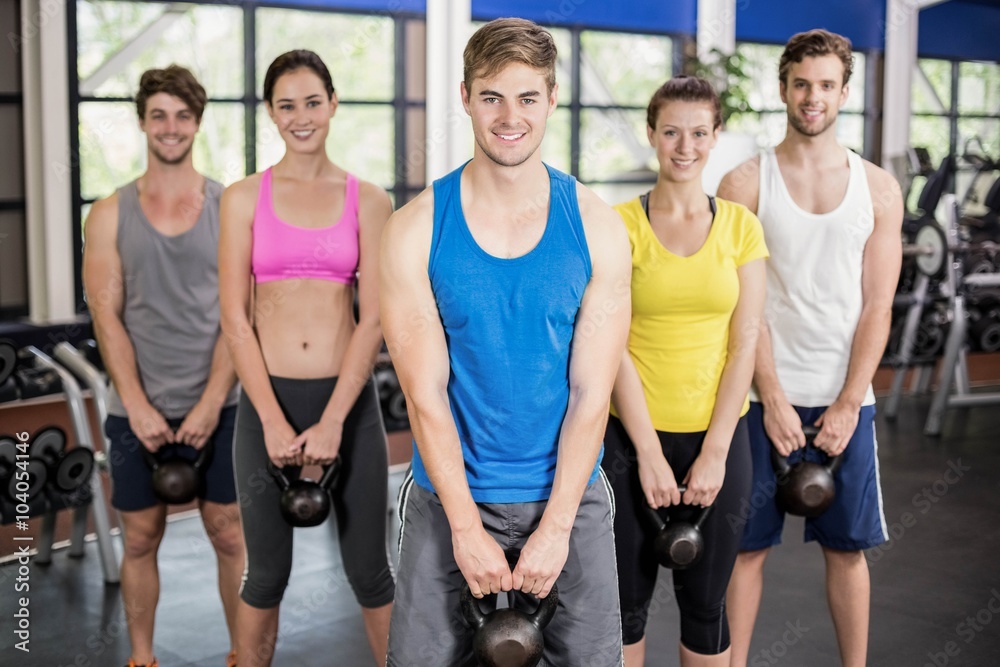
x,y
282,251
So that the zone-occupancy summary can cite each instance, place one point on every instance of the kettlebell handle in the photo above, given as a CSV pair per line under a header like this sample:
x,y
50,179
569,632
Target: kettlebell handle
x,y
470,608
150,458
330,475
279,475
540,618
780,463
204,455
658,522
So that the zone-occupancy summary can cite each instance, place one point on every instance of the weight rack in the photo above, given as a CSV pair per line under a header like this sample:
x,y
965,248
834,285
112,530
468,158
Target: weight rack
x,y
954,366
81,426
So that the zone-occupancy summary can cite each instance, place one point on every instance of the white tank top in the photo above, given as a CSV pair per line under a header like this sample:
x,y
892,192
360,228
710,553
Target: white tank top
x,y
814,283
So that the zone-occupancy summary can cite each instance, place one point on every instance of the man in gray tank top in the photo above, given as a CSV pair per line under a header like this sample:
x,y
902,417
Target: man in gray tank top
x,y
832,222
151,278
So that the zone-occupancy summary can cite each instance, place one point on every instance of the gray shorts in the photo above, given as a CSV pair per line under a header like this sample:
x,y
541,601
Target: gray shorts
x,y
428,629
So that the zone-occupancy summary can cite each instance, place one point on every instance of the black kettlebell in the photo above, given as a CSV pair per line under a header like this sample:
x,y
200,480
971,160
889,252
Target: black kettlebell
x,y
508,637
678,544
806,488
177,480
304,502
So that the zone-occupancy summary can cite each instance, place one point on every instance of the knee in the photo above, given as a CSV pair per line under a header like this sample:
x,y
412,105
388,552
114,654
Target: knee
x,y
373,585
844,560
141,544
226,536
753,560
264,590
704,628
142,541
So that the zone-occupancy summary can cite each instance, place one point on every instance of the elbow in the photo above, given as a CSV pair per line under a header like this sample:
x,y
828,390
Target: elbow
x,y
588,401
235,327
426,402
370,323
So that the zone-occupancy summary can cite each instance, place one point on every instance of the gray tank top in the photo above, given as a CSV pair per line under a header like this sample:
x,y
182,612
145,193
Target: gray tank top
x,y
171,309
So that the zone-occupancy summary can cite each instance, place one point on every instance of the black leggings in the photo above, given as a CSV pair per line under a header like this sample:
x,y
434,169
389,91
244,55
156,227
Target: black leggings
x,y
701,589
359,497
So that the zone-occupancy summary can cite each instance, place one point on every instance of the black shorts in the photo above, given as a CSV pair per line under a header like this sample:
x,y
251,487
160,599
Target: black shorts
x,y
131,478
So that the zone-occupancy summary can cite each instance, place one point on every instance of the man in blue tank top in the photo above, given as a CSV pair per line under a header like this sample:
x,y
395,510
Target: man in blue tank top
x,y
151,279
505,306
832,221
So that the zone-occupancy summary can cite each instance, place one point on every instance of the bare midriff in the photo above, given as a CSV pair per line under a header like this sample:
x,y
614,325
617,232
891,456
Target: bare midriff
x,y
304,326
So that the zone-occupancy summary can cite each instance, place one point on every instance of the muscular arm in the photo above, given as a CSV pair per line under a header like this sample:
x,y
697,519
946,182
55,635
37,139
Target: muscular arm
x,y
781,422
415,338
598,343
322,441
366,341
655,474
880,273
742,185
203,419
708,471
235,245
104,284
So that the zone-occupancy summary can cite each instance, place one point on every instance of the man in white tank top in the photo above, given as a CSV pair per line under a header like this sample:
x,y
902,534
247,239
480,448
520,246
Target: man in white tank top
x,y
150,271
832,221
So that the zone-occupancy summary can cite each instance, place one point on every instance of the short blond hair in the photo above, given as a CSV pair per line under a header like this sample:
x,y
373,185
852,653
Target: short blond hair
x,y
504,41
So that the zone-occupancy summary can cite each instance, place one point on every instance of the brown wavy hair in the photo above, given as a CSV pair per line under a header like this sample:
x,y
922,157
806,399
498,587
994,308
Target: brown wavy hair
x,y
816,43
173,80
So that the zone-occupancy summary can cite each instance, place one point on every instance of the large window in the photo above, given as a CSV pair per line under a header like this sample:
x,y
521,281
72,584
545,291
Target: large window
x,y
769,124
13,241
956,111
116,40
616,75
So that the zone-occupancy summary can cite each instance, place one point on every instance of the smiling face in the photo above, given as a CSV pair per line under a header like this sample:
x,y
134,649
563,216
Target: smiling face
x,y
301,109
683,138
509,112
170,126
813,92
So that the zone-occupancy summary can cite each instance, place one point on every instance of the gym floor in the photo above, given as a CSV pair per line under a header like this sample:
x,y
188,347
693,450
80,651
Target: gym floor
x,y
935,586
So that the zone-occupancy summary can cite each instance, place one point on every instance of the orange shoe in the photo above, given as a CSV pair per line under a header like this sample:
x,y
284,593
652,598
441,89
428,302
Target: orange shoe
x,y
132,663
231,659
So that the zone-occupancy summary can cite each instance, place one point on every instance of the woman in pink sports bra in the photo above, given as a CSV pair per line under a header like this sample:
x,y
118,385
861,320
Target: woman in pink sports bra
x,y
297,242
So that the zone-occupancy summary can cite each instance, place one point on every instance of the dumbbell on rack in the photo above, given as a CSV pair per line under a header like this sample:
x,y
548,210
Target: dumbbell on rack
x,y
15,489
68,471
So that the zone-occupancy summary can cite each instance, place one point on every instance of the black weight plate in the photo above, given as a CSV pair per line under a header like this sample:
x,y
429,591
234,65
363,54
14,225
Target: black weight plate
x,y
37,476
8,452
49,443
8,360
9,391
74,469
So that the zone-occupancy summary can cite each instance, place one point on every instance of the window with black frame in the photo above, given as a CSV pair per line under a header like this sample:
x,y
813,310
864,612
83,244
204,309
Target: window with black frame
x,y
116,40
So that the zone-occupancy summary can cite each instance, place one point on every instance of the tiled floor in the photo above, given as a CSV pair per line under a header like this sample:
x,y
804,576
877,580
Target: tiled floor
x,y
941,568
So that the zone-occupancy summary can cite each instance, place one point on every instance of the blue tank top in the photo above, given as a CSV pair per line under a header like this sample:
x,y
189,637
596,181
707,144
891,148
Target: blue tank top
x,y
509,325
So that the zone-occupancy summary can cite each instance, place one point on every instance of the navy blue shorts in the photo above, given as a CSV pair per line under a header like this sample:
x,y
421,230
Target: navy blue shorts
x,y
131,479
854,521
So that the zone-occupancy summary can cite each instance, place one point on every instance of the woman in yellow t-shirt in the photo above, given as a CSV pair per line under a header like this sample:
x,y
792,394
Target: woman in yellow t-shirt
x,y
680,397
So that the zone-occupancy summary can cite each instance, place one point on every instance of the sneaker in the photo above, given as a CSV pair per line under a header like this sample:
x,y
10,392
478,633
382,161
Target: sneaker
x,y
231,659
132,663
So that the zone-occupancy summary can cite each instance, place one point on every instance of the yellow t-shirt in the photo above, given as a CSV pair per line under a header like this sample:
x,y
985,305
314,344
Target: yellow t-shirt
x,y
681,309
